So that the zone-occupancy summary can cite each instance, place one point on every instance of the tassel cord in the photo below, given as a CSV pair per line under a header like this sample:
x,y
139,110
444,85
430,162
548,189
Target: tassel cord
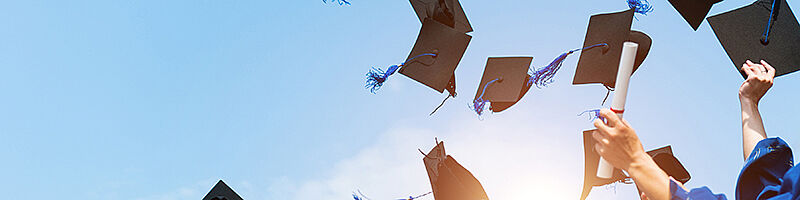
x,y
479,103
545,75
773,15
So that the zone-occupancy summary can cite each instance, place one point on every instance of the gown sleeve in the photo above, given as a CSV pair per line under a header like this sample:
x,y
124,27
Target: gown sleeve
x,y
702,193
763,173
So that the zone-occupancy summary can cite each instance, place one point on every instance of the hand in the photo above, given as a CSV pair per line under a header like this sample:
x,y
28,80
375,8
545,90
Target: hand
x,y
617,142
759,80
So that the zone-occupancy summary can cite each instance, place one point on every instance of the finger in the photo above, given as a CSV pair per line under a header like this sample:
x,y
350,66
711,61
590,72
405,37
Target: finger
x,y
599,124
598,149
611,117
643,197
600,138
748,70
761,69
603,129
749,62
770,69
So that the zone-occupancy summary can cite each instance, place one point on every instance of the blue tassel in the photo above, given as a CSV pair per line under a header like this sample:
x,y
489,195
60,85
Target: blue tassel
x,y
376,77
544,76
341,2
595,114
479,104
640,6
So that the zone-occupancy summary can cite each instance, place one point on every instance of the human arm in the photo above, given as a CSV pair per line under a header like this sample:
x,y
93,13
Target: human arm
x,y
618,143
759,80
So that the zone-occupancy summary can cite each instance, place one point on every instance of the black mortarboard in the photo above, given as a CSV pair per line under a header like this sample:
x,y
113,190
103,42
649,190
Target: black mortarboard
x,y
666,161
693,11
504,82
745,35
448,45
449,180
662,156
600,65
221,191
448,12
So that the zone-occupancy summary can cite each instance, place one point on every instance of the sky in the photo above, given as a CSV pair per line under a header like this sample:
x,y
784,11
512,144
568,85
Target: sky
x,y
160,99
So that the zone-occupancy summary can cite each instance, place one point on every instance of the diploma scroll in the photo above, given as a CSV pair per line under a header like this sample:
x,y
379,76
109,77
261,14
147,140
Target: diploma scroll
x,y
605,169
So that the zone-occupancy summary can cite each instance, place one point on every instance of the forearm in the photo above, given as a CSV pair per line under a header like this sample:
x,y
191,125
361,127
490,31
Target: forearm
x,y
650,179
752,126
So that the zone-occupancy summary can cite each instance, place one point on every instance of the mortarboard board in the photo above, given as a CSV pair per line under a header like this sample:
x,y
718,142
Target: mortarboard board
x,y
693,11
450,180
448,45
666,161
663,157
504,83
221,191
755,33
600,65
448,12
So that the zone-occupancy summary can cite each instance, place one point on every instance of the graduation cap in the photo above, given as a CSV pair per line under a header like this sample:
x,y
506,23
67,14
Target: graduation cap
x,y
438,71
221,191
448,12
662,156
600,65
765,30
449,180
504,83
432,61
693,11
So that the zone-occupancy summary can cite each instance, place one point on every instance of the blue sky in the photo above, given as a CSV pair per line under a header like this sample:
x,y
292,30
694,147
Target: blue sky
x,y
159,99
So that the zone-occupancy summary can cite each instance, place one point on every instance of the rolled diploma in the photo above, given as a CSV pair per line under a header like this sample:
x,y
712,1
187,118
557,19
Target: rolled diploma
x,y
605,169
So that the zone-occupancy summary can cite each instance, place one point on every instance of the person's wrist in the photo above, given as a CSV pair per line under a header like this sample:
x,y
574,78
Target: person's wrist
x,y
748,100
641,162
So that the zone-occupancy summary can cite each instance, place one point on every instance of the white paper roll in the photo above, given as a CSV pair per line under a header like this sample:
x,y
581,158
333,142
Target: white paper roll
x,y
626,60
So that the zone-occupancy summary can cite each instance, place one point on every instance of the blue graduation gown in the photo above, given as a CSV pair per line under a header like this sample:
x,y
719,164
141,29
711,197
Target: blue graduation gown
x,y
769,173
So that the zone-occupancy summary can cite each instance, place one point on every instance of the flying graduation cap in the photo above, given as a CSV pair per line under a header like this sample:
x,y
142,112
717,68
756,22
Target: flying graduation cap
x,y
450,180
663,157
764,30
441,44
600,65
221,191
693,11
504,83
448,12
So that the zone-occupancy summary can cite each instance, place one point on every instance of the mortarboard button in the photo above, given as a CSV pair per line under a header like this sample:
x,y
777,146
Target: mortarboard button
x,y
613,29
693,11
448,12
756,33
504,83
221,191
